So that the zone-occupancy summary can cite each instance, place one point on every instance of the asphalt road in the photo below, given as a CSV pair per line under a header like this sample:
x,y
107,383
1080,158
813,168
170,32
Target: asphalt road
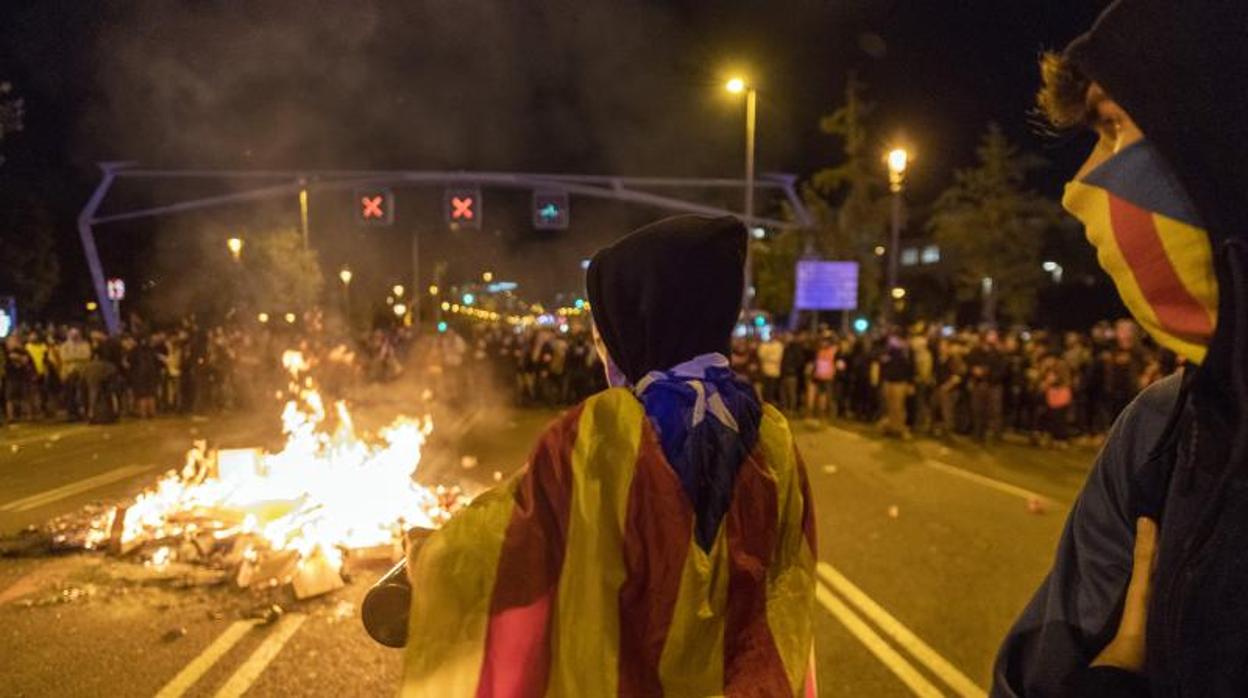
x,y
928,551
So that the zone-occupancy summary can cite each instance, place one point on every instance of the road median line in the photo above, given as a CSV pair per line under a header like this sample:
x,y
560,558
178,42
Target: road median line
x,y
200,665
875,644
903,636
74,488
246,675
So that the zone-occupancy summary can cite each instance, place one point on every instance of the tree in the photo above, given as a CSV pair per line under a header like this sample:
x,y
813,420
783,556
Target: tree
x,y
281,270
11,112
28,263
847,201
775,263
994,228
195,272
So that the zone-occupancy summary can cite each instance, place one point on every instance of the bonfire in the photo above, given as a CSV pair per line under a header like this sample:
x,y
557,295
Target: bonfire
x,y
294,516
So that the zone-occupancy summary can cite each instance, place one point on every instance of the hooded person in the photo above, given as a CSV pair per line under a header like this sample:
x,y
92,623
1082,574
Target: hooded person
x,y
660,540
1146,595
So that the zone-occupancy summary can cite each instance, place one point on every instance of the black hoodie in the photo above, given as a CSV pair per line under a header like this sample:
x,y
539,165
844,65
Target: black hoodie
x,y
1180,69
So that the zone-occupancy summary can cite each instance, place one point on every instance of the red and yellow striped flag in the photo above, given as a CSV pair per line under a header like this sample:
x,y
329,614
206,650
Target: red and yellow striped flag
x,y
1149,240
581,577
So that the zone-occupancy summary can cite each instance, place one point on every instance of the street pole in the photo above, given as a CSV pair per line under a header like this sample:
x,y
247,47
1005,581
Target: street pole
x,y
303,215
751,111
417,289
898,159
894,244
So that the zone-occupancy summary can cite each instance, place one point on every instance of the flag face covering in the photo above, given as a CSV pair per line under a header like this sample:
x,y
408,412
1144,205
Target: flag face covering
x,y
1149,239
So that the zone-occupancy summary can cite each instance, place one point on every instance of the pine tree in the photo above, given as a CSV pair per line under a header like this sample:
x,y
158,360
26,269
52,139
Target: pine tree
x,y
846,203
993,228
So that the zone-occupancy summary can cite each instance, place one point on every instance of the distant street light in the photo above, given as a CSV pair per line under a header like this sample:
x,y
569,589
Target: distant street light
x,y
400,310
398,290
290,318
235,245
433,289
899,293
736,86
263,317
344,275
487,277
898,160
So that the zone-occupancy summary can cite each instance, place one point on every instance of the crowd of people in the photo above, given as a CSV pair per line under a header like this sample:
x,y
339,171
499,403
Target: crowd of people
x,y
70,373
1048,387
535,367
930,380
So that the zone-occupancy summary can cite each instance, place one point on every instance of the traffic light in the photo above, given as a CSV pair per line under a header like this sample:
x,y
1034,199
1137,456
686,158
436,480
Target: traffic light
x,y
550,210
463,207
374,206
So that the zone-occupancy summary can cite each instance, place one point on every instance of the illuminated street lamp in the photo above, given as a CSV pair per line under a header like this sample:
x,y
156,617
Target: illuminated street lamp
x,y
433,289
738,85
263,317
898,160
487,277
400,310
898,293
290,318
398,290
344,275
235,246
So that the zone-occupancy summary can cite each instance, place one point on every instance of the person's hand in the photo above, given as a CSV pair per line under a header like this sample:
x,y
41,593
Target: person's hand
x,y
1126,650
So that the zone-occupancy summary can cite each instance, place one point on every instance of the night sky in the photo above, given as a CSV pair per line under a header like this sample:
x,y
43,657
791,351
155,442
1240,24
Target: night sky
x,y
578,86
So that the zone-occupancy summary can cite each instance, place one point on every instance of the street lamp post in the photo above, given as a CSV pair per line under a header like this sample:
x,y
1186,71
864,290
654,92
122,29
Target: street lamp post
x,y
303,215
344,275
898,159
738,86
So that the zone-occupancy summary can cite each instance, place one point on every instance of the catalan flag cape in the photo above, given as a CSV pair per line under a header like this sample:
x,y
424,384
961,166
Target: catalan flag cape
x,y
1149,239
581,575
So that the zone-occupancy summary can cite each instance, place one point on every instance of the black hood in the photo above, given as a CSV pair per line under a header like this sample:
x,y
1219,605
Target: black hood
x,y
1180,69
668,292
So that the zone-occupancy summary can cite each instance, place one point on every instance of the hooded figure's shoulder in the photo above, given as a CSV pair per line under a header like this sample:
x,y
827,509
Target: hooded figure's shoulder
x,y
612,412
1155,403
1140,426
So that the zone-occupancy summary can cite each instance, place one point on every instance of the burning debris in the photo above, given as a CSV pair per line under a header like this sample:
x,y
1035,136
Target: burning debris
x,y
294,517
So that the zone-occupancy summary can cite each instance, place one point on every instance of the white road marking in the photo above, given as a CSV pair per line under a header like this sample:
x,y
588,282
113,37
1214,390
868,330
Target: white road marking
x,y
74,488
986,481
920,650
890,657
54,437
255,665
200,665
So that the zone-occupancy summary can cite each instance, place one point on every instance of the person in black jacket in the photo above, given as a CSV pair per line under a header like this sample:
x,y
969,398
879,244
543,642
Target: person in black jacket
x,y
1162,83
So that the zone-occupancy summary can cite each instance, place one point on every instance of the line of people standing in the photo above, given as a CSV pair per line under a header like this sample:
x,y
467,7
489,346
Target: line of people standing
x,y
982,384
